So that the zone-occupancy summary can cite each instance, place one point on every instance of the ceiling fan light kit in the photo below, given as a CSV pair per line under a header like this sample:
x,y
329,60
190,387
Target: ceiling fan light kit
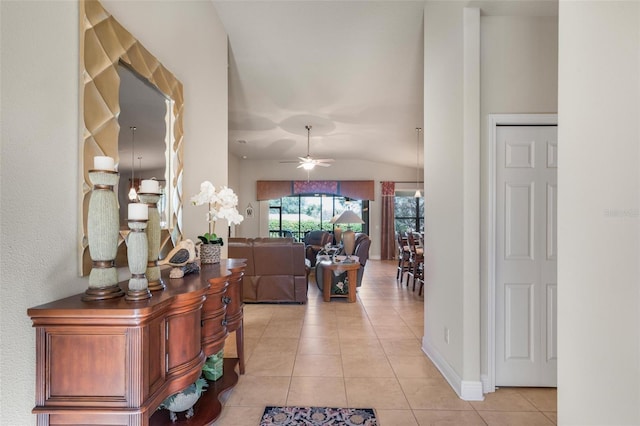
x,y
307,166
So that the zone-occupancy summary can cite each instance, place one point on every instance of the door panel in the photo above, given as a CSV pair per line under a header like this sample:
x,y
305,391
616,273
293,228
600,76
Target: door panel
x,y
519,154
526,255
552,222
519,321
519,205
552,322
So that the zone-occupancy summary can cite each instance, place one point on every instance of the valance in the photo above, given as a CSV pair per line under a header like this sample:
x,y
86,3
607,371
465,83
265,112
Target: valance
x,y
356,189
388,189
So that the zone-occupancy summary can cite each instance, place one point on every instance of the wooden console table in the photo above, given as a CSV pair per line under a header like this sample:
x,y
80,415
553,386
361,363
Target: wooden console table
x,y
352,274
114,361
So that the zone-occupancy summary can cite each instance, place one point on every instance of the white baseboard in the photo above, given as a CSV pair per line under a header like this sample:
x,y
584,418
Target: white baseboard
x,y
486,384
471,390
467,390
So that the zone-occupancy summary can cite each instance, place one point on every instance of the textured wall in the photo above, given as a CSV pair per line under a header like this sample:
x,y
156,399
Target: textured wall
x,y
39,183
598,213
40,147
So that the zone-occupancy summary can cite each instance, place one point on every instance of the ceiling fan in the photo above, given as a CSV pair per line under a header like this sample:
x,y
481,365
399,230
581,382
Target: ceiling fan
x,y
308,162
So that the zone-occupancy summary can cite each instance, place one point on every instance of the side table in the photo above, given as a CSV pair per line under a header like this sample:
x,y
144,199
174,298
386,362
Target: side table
x,y
351,268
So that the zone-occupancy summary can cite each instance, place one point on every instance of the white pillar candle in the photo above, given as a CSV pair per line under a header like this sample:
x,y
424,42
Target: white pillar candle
x,y
103,163
150,186
138,211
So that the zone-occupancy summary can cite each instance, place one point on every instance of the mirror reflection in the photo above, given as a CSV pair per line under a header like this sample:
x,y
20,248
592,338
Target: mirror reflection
x,y
143,149
107,104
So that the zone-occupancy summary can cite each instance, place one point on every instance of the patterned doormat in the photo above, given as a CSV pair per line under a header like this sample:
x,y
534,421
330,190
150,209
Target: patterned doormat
x,y
318,416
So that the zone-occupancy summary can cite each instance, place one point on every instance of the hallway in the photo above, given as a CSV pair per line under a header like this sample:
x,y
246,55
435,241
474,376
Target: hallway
x,y
366,354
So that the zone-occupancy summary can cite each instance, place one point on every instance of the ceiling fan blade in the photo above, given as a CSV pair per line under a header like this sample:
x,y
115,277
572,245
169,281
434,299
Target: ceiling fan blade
x,y
324,160
323,164
289,161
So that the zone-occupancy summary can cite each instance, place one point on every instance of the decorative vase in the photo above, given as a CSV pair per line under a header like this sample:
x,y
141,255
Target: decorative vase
x,y
103,231
153,240
210,253
213,367
184,400
137,254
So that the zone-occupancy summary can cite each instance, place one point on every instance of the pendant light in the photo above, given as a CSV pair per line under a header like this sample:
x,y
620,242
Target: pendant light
x,y
418,130
132,191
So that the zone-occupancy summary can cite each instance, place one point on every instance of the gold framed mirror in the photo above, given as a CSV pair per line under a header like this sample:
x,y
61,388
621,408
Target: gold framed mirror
x,y
104,47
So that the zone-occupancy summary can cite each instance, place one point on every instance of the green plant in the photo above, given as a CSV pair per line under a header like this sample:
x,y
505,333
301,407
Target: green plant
x,y
305,226
210,239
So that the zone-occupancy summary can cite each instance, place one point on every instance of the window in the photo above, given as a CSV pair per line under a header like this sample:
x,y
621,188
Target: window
x,y
295,216
409,212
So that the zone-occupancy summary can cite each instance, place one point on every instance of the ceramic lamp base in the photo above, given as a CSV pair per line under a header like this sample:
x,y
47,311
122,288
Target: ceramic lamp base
x,y
349,241
337,233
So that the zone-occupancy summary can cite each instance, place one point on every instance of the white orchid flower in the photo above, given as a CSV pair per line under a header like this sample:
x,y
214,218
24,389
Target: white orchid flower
x,y
207,194
222,204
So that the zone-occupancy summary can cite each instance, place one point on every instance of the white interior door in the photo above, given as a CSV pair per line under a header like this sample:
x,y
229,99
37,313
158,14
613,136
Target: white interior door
x,y
526,255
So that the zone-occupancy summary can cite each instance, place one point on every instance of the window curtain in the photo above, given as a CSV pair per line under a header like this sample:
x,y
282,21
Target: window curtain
x,y
357,189
387,225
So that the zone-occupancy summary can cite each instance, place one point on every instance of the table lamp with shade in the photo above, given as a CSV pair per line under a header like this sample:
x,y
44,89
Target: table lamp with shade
x,y
348,217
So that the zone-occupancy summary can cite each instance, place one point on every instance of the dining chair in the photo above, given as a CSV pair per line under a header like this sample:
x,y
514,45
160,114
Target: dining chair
x,y
404,258
416,260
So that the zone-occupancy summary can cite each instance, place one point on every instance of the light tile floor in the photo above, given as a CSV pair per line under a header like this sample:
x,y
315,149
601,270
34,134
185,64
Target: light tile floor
x,y
363,354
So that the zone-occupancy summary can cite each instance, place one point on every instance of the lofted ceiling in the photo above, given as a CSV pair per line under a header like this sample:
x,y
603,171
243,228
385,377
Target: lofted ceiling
x,y
353,70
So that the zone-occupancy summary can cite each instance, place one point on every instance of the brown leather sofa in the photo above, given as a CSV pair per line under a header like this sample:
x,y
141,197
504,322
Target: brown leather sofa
x,y
315,242
276,269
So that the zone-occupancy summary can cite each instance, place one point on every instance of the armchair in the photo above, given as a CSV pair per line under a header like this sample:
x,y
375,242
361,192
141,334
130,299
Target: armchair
x,y
315,241
363,242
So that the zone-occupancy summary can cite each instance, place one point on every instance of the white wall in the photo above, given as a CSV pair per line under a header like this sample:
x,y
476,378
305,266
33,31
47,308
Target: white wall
x,y
233,182
443,123
39,160
518,63
518,74
250,171
598,213
39,183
